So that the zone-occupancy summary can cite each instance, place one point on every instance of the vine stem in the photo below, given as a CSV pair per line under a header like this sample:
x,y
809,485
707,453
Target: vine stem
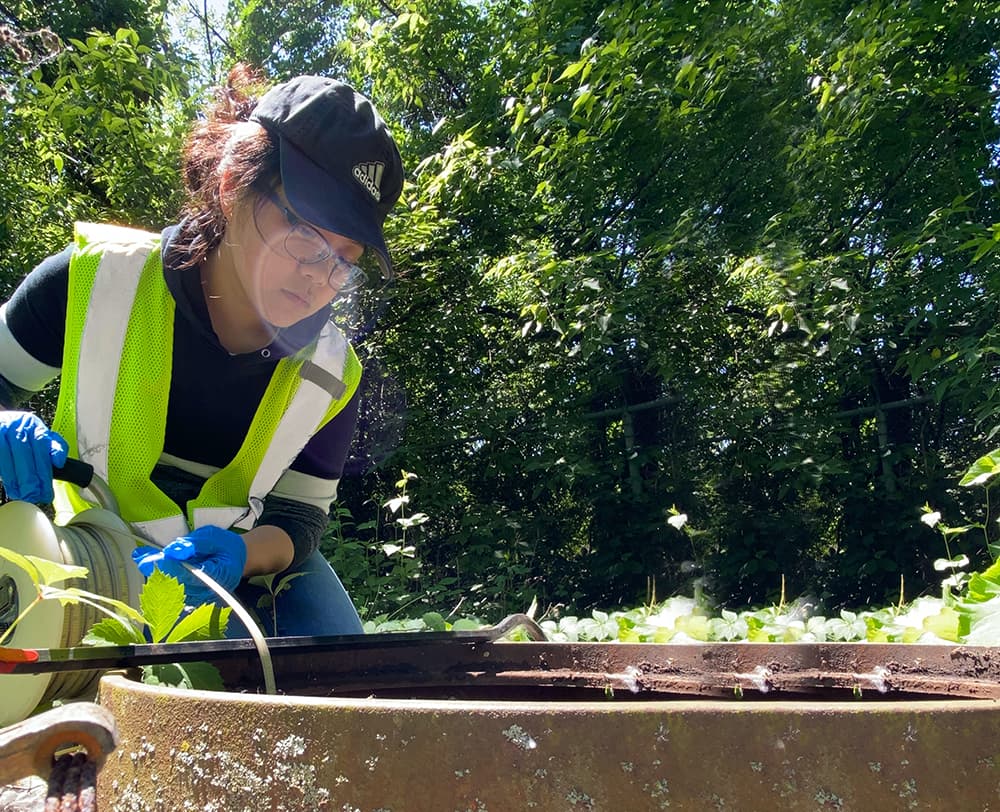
x,y
10,629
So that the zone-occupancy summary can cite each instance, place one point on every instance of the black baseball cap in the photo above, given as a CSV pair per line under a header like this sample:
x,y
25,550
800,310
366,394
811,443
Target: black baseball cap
x,y
340,168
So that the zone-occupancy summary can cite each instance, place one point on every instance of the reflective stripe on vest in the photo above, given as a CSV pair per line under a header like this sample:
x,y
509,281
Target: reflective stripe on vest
x,y
305,392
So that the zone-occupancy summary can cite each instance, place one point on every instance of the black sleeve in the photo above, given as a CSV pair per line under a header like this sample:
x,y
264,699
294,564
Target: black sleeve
x,y
303,523
36,312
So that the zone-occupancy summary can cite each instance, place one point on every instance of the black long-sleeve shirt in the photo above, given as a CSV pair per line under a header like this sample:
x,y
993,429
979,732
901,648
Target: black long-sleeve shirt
x,y
213,394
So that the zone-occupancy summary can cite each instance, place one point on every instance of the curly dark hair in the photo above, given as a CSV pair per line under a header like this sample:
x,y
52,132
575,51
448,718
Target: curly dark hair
x,y
223,135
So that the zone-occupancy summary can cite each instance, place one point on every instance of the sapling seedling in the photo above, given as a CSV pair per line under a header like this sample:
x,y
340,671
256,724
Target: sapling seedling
x,y
162,618
954,582
47,576
269,599
165,619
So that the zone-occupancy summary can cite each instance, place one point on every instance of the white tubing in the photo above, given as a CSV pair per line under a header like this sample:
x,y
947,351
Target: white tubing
x,y
258,639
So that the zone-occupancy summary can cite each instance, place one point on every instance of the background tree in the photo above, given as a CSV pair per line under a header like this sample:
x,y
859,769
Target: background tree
x,y
731,259
93,115
716,254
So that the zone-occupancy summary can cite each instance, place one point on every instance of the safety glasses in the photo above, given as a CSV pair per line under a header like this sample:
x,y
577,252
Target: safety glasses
x,y
284,232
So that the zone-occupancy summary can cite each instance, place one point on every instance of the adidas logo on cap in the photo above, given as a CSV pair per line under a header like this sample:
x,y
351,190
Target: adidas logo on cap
x,y
370,176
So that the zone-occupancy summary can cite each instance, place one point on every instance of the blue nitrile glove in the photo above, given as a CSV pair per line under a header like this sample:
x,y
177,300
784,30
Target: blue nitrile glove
x,y
222,554
28,450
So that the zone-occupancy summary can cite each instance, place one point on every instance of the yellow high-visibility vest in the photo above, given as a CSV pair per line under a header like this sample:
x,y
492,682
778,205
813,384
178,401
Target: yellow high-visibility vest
x,y
112,406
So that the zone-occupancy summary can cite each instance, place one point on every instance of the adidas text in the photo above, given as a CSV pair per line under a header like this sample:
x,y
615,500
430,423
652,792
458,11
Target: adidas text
x,y
369,176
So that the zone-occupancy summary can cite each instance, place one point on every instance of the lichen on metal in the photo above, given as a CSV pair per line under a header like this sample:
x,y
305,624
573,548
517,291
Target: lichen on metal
x,y
444,743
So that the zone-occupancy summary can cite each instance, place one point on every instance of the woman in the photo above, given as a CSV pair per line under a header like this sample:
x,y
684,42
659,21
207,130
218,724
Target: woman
x,y
201,374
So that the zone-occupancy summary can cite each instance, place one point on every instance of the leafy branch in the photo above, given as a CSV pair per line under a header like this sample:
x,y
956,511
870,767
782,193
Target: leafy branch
x,y
162,618
46,576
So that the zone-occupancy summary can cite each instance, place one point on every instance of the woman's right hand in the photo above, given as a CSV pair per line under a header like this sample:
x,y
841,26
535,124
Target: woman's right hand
x,y
28,451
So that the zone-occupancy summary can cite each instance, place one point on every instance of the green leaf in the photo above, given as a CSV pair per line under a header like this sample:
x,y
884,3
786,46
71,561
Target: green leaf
x,y
947,624
396,503
466,624
518,119
687,72
982,470
985,247
585,98
201,676
942,564
112,632
116,606
694,626
205,622
23,563
827,93
983,622
54,573
286,582
957,531
162,601
434,621
571,70
662,635
984,586
263,581
109,606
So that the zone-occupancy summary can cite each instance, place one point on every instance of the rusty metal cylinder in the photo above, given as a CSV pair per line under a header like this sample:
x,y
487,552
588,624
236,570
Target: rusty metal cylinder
x,y
617,752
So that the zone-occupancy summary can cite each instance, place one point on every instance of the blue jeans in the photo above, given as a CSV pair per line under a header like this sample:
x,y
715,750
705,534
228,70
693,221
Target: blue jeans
x,y
315,603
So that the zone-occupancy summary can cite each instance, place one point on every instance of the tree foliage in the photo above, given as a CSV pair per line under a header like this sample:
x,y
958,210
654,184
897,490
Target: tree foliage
x,y
731,259
733,256
92,127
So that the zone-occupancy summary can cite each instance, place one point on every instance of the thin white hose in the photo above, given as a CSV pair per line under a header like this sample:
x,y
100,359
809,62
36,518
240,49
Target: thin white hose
x,y
251,625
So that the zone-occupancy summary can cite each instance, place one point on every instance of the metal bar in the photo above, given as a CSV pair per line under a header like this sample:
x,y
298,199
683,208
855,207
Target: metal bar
x,y
647,670
81,658
456,661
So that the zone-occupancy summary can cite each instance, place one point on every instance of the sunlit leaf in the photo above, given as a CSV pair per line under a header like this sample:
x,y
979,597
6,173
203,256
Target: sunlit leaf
x,y
947,624
982,470
205,622
52,572
162,602
942,564
112,632
202,676
22,562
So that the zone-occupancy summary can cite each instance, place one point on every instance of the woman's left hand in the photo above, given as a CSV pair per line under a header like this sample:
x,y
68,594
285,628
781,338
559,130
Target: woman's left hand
x,y
221,554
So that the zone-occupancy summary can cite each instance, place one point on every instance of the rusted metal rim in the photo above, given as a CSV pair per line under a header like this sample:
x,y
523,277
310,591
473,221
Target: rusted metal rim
x,y
479,669
181,750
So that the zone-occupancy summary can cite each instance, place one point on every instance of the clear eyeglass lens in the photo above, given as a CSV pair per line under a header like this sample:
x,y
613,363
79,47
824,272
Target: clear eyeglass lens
x,y
347,277
306,244
303,243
